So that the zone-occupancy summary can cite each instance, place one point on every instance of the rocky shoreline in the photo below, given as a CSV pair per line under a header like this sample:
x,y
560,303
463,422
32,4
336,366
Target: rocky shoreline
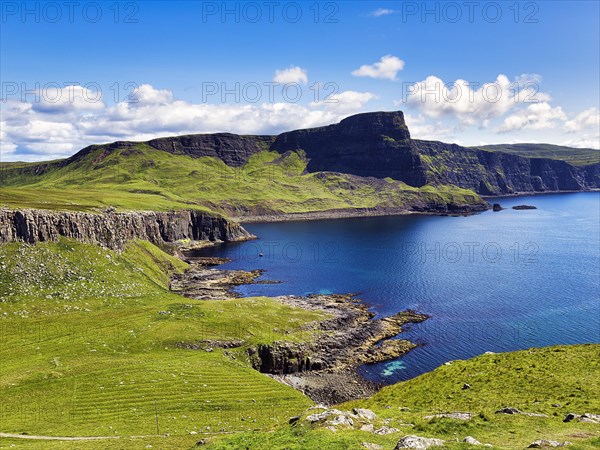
x,y
332,214
325,368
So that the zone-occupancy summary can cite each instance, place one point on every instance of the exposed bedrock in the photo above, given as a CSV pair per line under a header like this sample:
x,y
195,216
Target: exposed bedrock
x,y
113,229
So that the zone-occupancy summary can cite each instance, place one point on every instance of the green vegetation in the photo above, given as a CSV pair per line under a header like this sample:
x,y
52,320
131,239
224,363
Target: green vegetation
x,y
576,156
94,344
531,380
91,345
143,178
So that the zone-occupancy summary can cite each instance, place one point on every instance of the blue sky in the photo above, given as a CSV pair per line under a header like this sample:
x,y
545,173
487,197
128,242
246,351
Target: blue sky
x,y
540,60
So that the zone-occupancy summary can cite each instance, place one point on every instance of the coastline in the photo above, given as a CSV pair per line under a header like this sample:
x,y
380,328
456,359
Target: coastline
x,y
535,194
323,368
333,214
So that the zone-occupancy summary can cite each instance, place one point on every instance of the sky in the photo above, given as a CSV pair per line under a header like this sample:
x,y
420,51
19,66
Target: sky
x,y
79,73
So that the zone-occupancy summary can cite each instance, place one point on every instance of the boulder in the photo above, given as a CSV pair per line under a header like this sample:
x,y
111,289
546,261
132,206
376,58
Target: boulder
x,y
341,420
452,415
569,417
418,442
543,443
366,414
508,410
324,415
371,446
471,440
385,430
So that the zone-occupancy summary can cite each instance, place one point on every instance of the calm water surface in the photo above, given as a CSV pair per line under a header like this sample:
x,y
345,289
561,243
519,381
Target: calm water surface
x,y
496,281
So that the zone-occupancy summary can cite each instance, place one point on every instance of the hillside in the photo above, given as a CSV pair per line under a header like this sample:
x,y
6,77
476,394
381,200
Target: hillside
x,y
575,156
368,163
550,382
137,176
95,344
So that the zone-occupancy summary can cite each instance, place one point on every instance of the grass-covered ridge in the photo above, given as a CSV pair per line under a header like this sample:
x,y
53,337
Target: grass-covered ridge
x,y
91,346
530,380
575,156
144,178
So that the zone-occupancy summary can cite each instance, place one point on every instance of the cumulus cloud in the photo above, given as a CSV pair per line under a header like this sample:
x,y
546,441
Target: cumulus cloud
x,y
590,118
586,141
387,68
28,134
421,128
53,99
379,12
536,116
470,103
345,101
293,74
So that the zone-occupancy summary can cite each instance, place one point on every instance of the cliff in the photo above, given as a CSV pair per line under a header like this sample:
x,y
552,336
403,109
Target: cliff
x,y
233,149
368,145
113,229
494,173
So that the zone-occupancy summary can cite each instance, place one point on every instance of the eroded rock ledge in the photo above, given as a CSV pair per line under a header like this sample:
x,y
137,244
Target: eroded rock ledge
x,y
325,367
114,229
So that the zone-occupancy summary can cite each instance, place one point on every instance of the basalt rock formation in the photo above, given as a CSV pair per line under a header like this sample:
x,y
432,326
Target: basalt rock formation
x,y
376,145
113,230
368,145
494,173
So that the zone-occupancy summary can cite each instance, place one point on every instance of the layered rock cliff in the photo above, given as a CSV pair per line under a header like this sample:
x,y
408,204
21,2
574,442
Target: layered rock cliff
x,y
113,230
368,145
494,173
233,149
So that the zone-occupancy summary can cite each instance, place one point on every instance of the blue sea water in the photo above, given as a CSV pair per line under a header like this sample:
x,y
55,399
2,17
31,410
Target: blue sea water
x,y
494,281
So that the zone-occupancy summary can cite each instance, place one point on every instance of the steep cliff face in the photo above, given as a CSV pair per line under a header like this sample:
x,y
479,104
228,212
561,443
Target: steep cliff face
x,y
493,173
113,230
233,149
369,145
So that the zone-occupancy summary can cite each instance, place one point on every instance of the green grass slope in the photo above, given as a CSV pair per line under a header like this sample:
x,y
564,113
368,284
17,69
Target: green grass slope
x,y
531,380
575,156
90,347
143,178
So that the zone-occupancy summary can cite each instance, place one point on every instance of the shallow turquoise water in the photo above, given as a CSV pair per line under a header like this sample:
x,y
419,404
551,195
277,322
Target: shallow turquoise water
x,y
495,281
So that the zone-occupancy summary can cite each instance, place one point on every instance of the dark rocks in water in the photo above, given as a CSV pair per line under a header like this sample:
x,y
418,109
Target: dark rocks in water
x,y
497,207
114,230
524,207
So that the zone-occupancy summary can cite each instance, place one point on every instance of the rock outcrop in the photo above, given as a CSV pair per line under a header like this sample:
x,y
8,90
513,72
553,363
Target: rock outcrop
x,y
496,173
369,145
113,230
233,149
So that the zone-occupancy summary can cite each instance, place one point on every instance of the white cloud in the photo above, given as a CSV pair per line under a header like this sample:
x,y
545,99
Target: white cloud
x,y
421,128
536,116
382,12
469,103
586,141
293,74
28,134
346,101
387,68
590,118
53,99
148,95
